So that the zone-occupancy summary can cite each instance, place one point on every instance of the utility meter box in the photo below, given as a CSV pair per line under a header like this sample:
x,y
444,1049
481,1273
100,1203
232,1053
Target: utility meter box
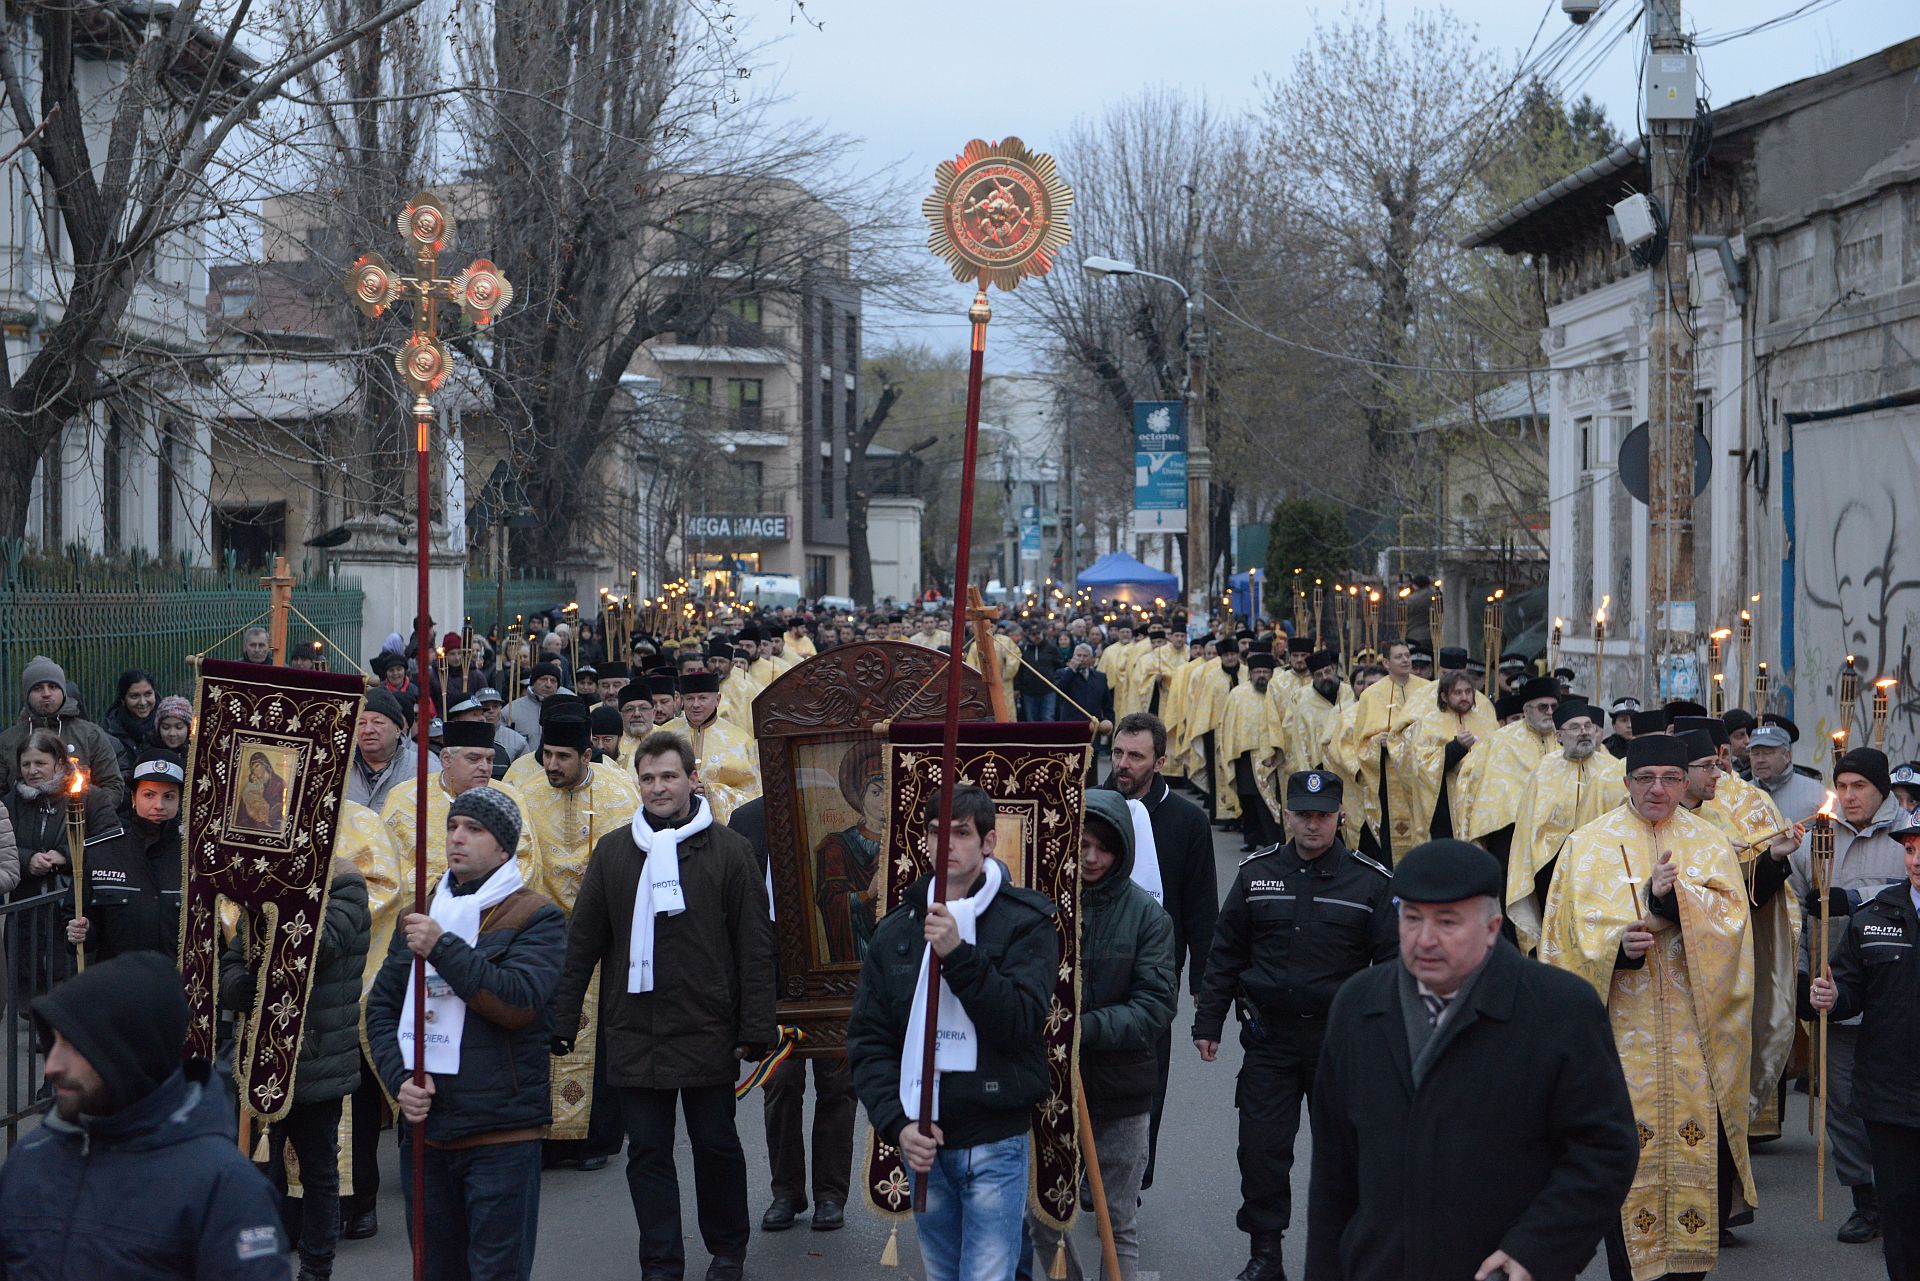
x,y
1673,84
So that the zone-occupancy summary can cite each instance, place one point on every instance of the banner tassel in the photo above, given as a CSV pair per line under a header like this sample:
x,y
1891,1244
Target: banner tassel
x,y
890,1256
1058,1272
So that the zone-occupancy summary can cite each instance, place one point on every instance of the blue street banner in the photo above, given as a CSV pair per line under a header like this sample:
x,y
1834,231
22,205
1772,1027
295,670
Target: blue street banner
x,y
1159,467
1030,532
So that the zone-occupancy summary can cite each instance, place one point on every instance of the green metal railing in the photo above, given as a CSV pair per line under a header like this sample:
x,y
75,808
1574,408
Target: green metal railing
x,y
526,596
97,618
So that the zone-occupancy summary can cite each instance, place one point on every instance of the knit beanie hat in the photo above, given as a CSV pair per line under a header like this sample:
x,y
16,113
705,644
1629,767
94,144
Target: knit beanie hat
x,y
39,671
492,809
382,702
1868,764
176,706
126,1016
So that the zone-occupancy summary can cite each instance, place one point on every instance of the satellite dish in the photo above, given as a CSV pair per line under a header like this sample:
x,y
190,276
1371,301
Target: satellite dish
x,y
1633,462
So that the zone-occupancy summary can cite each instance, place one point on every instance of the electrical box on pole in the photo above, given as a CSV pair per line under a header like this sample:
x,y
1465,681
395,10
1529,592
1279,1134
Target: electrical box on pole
x,y
1673,86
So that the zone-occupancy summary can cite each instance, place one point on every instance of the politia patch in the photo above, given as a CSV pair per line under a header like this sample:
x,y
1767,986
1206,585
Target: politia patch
x,y
1313,782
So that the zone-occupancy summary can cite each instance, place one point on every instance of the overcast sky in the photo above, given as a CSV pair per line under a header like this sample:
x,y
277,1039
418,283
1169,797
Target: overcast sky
x,y
912,79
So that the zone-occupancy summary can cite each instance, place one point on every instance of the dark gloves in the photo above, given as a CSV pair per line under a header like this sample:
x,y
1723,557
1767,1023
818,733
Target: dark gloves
x,y
1803,998
559,1046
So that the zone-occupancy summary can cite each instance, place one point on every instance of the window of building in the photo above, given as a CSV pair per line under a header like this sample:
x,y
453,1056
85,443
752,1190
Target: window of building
x,y
743,401
697,228
1587,442
853,342
826,479
747,484
235,304
255,535
853,411
113,482
698,392
826,333
819,576
743,322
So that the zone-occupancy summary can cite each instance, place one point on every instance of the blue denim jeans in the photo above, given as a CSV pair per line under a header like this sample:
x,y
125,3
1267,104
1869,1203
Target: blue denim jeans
x,y
483,1209
976,1207
1037,707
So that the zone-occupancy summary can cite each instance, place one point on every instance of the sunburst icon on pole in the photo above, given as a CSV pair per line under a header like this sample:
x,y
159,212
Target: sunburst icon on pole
x,y
998,213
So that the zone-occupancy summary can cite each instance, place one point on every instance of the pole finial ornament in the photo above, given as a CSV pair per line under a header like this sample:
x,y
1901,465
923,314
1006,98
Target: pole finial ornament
x,y
998,212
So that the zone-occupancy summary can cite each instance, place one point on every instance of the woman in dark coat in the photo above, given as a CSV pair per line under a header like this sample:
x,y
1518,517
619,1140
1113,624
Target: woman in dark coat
x,y
37,806
130,721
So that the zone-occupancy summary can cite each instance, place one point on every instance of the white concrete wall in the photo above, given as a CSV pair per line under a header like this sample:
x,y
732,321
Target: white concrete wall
x,y
893,540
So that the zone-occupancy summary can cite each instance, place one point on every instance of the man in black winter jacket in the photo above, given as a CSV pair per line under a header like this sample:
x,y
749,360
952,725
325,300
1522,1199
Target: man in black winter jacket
x,y
1189,883
134,1175
481,1121
328,1069
973,1156
1127,998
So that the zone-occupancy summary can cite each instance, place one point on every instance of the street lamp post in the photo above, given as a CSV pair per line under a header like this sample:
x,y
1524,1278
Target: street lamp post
x,y
1199,457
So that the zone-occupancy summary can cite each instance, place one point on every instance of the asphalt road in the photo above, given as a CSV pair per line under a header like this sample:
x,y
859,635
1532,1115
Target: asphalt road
x,y
1186,1222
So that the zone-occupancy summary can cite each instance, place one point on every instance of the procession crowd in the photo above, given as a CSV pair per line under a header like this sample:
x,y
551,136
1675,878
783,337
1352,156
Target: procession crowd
x,y
1471,904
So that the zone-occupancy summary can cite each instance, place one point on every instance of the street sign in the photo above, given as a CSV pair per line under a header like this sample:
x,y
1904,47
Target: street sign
x,y
1030,532
1159,467
748,528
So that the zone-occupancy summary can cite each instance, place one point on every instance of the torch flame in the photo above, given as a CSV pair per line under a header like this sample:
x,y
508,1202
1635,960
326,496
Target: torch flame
x,y
1745,617
1556,622
1885,682
78,783
1826,810
1721,634
1839,741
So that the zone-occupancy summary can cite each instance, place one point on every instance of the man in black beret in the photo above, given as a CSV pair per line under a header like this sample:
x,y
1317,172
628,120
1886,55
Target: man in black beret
x,y
1464,1036
1740,725
1280,966
1646,877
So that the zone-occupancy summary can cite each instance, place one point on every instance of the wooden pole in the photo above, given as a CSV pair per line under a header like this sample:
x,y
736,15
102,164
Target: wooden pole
x,y
979,314
1102,1216
279,587
423,421
1823,883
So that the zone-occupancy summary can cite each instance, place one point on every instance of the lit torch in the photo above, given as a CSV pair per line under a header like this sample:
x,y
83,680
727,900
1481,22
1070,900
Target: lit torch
x,y
1821,846
1553,646
76,848
1762,683
1719,695
1600,652
1882,694
1849,693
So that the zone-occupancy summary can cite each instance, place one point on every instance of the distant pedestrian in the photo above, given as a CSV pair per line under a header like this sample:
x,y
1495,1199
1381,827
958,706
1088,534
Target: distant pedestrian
x,y
45,704
134,1176
1469,1113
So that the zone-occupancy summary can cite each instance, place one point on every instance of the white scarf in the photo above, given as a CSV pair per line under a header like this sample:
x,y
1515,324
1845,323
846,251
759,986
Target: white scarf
x,y
659,890
459,915
1146,857
957,1048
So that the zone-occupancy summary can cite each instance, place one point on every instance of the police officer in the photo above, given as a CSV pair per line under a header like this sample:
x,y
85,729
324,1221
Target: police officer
x,y
1876,974
1301,918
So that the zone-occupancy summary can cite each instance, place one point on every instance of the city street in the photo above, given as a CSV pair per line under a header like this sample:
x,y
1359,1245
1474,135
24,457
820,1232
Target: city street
x,y
1186,1223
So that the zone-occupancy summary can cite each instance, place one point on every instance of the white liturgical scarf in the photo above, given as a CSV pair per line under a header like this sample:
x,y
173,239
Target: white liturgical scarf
x,y
659,891
459,915
958,1046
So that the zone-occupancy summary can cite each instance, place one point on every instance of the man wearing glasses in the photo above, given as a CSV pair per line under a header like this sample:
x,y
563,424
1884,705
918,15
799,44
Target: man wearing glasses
x,y
1650,906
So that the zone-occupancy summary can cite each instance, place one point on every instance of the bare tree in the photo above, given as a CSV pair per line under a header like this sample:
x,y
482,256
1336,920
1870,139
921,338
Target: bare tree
x,y
121,195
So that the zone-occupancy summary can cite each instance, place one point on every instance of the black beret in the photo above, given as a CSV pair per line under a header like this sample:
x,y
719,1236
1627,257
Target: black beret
x,y
1447,872
1682,707
1573,709
1508,705
573,730
1453,657
700,683
606,720
610,668
1262,662
635,692
1649,723
1538,687
1314,791
1712,726
467,734
1697,742
1657,749
658,685
1323,659
559,706
1740,718
1299,645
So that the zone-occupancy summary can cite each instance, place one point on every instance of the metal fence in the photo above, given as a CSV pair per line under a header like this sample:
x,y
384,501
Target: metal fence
x,y
32,931
98,618
526,596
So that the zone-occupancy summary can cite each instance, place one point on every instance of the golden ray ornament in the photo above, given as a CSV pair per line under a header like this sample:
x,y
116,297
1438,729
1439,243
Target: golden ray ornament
x,y
998,212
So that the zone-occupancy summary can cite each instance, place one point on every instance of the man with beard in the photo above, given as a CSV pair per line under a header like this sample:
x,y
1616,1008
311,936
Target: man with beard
x,y
134,1174
1247,739
1571,787
1314,714
1206,710
1441,739
1173,860
1651,879
1494,781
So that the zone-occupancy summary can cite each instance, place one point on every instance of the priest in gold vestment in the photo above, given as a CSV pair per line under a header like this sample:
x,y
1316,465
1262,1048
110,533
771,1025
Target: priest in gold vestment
x,y
725,756
1649,905
576,802
1207,698
1460,720
1373,748
466,762
1249,756
1494,781
1312,714
1573,785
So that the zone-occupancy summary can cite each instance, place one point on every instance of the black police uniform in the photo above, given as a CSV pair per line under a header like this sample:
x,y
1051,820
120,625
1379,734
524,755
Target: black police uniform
x,y
1289,934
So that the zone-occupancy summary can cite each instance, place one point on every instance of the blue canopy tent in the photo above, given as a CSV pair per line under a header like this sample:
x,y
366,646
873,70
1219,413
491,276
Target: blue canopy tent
x,y
1118,576
1242,592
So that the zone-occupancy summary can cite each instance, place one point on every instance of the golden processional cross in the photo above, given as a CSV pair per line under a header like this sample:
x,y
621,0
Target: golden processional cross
x,y
481,292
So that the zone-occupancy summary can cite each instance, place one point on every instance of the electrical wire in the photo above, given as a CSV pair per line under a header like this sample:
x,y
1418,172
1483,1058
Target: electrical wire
x,y
1806,10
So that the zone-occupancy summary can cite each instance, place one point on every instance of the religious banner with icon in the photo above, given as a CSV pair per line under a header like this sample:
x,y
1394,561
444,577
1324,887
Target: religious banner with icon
x,y
264,789
1036,775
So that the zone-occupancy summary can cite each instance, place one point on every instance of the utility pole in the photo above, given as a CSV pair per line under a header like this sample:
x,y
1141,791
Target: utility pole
x,y
1199,457
1672,625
